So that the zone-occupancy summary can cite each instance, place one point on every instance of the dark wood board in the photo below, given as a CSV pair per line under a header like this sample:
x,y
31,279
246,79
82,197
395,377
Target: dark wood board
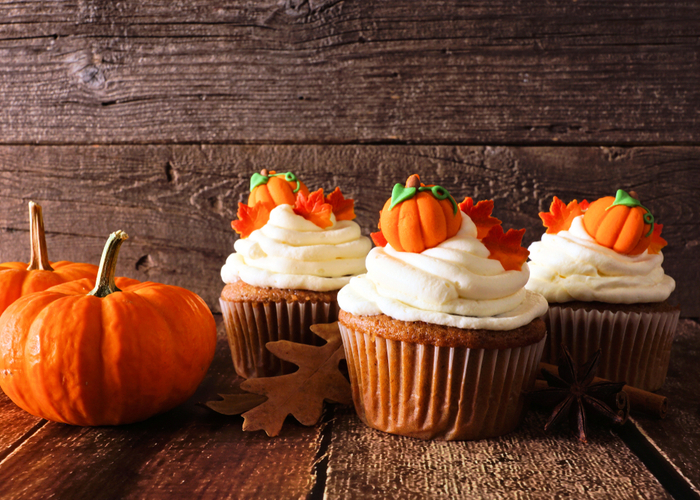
x,y
677,437
188,452
524,464
177,202
350,71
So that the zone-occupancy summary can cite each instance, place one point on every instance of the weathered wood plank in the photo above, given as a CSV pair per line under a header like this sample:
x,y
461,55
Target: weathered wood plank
x,y
329,71
15,425
678,435
364,463
189,452
176,202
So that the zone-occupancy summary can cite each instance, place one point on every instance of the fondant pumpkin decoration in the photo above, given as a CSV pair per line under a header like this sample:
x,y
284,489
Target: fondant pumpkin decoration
x,y
275,189
105,356
18,278
417,217
621,223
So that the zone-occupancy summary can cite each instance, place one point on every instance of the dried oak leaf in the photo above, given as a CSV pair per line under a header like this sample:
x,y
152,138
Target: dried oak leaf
x,y
480,214
251,218
505,247
236,403
313,208
561,215
343,208
300,394
657,242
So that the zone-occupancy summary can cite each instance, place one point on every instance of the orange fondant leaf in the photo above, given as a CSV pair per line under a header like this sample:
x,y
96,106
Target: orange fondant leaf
x,y
313,208
560,215
379,239
480,214
251,218
505,247
343,208
300,394
657,242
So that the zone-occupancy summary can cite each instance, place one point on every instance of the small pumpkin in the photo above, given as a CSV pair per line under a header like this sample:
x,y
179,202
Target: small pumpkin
x,y
417,217
106,356
275,189
621,223
18,278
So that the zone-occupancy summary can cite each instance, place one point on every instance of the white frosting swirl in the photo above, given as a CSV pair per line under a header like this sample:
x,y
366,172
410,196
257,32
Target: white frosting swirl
x,y
294,253
452,284
571,265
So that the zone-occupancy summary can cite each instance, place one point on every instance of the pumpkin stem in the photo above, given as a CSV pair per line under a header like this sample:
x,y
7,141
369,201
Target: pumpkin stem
x,y
108,265
264,172
39,257
634,195
413,181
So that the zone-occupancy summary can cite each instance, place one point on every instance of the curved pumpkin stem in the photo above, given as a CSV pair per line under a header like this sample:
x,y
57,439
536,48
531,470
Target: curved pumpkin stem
x,y
108,265
413,181
634,195
264,172
39,257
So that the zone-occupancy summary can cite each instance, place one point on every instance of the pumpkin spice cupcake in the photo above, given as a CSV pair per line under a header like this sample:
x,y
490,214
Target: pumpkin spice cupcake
x,y
441,339
599,266
296,250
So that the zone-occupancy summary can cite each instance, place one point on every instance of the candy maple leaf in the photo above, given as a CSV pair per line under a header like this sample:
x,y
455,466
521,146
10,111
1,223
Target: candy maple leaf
x,y
480,214
505,247
300,394
313,208
657,242
251,218
378,239
343,208
561,215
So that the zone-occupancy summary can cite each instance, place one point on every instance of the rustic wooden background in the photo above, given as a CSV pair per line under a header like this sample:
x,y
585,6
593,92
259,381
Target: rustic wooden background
x,y
150,116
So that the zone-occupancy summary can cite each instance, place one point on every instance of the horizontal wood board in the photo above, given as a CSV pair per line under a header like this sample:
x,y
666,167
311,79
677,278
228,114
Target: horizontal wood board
x,y
177,202
350,71
524,464
188,452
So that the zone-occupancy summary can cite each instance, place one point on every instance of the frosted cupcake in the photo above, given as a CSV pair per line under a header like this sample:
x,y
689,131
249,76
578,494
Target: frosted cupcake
x,y
295,252
599,267
441,338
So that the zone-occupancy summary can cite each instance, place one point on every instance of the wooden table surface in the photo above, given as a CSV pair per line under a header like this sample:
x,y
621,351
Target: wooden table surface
x,y
193,452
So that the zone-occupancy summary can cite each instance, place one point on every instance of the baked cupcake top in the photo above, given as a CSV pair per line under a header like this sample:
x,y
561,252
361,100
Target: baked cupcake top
x,y
606,251
436,264
294,239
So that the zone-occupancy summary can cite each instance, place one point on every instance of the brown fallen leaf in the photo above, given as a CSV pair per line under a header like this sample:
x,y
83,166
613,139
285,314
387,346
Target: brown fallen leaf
x,y
300,394
237,402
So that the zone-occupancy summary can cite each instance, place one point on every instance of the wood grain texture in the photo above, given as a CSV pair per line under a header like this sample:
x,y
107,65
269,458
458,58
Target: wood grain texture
x,y
350,71
177,202
678,435
524,464
189,452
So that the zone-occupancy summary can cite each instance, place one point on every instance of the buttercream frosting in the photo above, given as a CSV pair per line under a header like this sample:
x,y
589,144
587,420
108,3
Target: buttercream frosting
x,y
293,253
571,265
452,284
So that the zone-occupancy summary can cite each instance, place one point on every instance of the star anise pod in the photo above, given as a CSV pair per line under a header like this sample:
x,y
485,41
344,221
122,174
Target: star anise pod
x,y
572,391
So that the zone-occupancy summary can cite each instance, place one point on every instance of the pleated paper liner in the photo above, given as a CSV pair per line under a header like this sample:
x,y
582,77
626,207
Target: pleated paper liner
x,y
636,347
250,325
429,392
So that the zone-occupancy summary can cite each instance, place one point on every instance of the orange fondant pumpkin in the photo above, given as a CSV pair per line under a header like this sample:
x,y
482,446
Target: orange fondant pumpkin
x,y
106,356
18,278
275,189
620,223
417,217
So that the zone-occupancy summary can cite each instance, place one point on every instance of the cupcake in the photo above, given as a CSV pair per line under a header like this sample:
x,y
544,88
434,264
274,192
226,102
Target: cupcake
x,y
296,250
599,267
441,339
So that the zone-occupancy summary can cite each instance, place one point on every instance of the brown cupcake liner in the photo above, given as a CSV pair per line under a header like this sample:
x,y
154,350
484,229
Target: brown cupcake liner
x,y
430,392
636,347
251,325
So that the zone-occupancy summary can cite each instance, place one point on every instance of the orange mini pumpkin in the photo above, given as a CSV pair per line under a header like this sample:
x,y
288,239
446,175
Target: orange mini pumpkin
x,y
18,278
417,217
106,356
275,189
620,223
